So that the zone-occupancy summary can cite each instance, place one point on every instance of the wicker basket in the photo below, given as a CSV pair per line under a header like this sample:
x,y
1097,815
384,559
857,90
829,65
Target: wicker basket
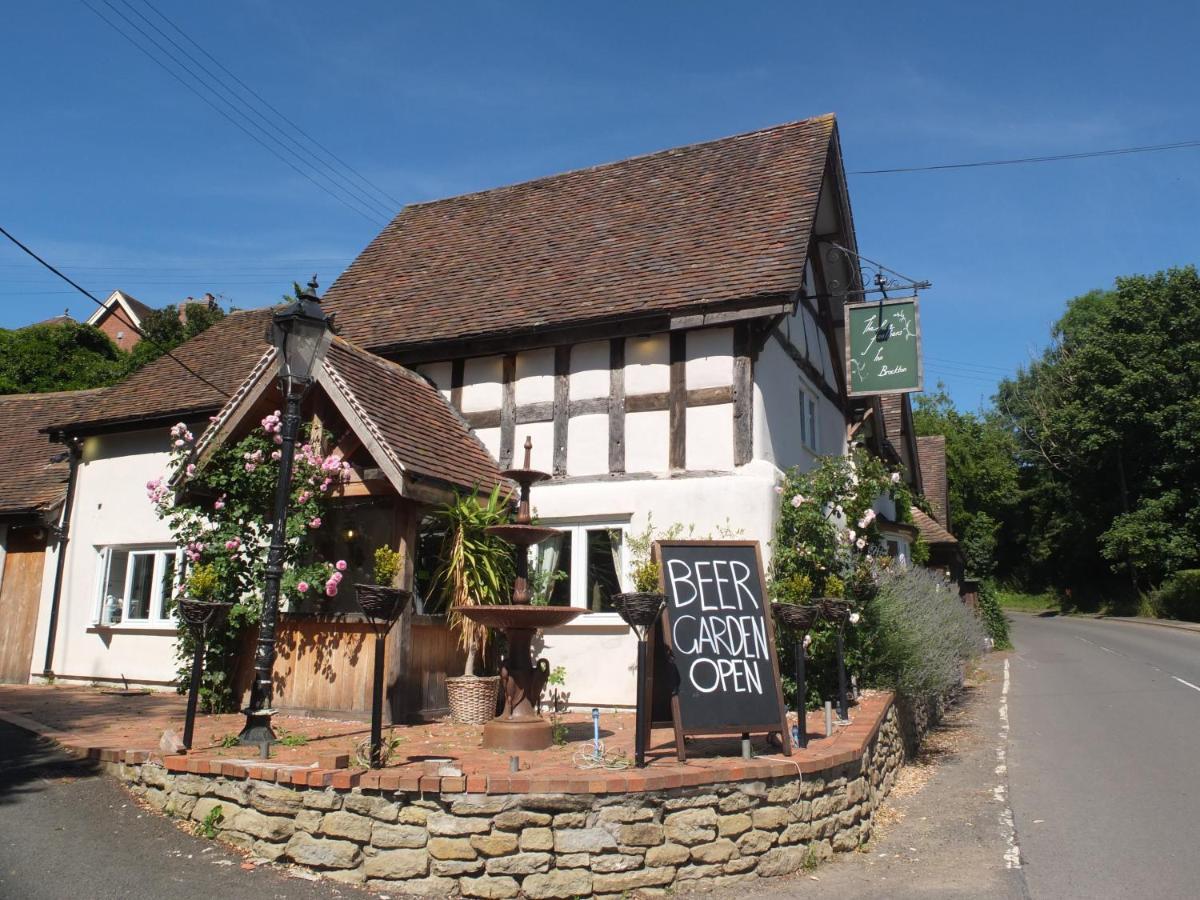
x,y
640,609
834,609
384,604
473,698
795,615
201,612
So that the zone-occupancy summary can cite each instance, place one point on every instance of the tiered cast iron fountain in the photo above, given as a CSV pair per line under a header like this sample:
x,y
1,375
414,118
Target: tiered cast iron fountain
x,y
520,726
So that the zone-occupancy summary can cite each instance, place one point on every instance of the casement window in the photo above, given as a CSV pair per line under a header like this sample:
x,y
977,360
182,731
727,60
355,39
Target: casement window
x,y
136,585
808,419
582,566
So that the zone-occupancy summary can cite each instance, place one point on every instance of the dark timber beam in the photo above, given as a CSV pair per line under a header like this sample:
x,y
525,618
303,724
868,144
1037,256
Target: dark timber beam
x,y
743,394
616,405
562,406
457,369
508,405
678,400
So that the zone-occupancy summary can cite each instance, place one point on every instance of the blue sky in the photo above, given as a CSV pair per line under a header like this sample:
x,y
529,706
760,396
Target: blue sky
x,y
126,180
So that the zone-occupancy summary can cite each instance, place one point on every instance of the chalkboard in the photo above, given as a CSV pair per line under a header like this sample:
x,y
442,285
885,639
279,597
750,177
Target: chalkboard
x,y
720,640
883,347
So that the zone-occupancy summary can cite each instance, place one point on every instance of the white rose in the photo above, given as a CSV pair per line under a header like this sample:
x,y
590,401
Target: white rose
x,y
854,618
895,478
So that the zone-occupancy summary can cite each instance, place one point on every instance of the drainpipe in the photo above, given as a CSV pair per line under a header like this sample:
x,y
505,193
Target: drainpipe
x,y
62,533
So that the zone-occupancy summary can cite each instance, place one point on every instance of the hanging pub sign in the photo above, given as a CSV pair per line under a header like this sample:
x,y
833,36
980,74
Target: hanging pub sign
x,y
883,347
720,644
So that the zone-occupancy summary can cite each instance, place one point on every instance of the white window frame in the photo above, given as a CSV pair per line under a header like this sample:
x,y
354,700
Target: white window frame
x,y
578,576
158,615
809,417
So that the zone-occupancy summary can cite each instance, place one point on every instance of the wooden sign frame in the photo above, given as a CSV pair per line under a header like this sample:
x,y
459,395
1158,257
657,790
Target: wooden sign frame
x,y
779,727
850,308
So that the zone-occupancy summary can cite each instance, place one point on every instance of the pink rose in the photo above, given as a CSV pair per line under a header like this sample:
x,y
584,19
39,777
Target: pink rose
x,y
336,577
250,467
315,522
340,565
220,504
278,439
232,544
331,589
302,587
277,455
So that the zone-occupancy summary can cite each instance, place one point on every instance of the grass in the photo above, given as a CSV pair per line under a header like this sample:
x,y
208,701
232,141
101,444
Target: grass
x,y
1026,602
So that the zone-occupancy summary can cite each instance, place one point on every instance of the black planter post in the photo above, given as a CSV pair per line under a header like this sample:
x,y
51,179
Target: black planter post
x,y
300,333
199,616
843,703
640,611
801,694
189,723
382,606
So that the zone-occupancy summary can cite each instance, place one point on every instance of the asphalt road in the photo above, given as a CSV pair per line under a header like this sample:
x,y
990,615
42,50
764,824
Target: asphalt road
x,y
67,833
1102,758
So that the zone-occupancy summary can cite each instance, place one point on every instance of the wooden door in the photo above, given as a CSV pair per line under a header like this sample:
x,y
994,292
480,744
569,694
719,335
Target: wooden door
x,y
19,596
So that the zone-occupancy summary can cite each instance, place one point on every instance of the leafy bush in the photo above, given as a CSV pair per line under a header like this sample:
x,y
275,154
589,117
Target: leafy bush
x,y
992,615
388,563
923,632
1179,596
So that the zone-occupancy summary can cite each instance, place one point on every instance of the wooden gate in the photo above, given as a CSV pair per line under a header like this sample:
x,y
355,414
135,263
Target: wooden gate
x,y
20,594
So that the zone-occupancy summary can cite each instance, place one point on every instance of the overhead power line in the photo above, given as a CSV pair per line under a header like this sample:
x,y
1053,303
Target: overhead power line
x,y
345,198
1058,157
100,303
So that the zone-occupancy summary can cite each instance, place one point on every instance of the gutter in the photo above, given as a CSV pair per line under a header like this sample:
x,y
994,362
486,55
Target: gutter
x,y
62,532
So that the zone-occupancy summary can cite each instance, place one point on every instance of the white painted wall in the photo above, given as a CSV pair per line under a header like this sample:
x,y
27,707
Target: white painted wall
x,y
111,508
589,370
481,384
647,364
777,436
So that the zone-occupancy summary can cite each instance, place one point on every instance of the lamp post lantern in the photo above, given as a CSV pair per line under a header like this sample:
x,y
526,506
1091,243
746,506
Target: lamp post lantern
x,y
300,333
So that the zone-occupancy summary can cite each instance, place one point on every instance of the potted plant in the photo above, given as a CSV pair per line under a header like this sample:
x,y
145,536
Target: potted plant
x,y
641,607
382,599
792,604
198,605
474,569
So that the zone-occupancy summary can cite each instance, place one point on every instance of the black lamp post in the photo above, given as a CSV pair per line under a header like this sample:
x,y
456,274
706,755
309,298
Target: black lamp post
x,y
640,611
300,333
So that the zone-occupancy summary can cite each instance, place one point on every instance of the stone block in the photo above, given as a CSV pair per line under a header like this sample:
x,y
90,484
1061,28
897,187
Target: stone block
x,y
192,784
155,776
625,814
769,818
309,820
520,864
276,801
179,804
269,828
451,848
739,864
559,884
734,803
348,825
268,851
442,825
322,800
780,861
800,811
497,843
692,801
397,864
573,860
409,836
583,840
640,834
732,826
490,887
788,792
797,833
718,851
412,815
205,805
754,843
480,805
615,862
619,882
456,868
323,853
516,819
695,873
667,855
238,839
557,803
233,791
571,820
846,840
155,798
346,876
537,839
692,826
433,886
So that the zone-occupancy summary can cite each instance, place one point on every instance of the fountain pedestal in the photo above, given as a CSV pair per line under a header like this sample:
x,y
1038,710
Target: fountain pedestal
x,y
520,726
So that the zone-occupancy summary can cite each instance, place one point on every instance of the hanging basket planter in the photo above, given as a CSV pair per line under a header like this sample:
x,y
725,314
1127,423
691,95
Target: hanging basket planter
x,y
800,616
201,612
639,609
835,610
473,698
383,604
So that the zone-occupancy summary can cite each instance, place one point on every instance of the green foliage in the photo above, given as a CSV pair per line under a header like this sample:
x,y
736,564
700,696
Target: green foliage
x,y
474,567
992,615
58,357
1179,596
795,589
645,571
228,740
163,330
1010,598
920,551
291,738
211,826
542,580
558,704
1106,421
387,565
202,583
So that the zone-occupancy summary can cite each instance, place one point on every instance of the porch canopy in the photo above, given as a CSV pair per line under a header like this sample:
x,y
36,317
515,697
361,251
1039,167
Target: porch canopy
x,y
408,450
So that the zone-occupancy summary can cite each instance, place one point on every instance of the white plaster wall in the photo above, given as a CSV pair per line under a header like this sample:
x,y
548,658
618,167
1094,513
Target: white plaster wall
x,y
481,384
440,374
647,364
491,440
535,376
709,359
542,457
598,651
110,508
709,437
777,383
589,370
587,445
647,441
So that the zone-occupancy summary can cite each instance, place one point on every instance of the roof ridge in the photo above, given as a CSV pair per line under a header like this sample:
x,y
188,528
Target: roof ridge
x,y
666,151
73,392
383,362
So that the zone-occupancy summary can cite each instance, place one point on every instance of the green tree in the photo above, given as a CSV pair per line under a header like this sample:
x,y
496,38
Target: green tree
x,y
1106,421
165,329
58,357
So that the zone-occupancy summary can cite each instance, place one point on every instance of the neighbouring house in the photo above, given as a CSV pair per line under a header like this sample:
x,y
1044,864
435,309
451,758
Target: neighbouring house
x,y
945,554
665,329
33,489
120,317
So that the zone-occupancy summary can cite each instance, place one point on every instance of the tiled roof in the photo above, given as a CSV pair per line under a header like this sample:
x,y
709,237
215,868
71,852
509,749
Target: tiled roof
x,y
704,224
223,355
893,418
412,419
931,531
139,308
931,451
29,481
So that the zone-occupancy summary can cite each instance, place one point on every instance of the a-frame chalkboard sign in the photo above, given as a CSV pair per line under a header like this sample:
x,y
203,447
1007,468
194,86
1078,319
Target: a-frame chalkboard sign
x,y
718,656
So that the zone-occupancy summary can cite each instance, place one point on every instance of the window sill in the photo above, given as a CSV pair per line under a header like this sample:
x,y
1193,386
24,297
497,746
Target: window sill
x,y
133,628
591,620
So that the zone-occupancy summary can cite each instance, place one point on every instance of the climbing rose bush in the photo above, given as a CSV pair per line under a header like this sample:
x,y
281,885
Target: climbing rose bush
x,y
219,515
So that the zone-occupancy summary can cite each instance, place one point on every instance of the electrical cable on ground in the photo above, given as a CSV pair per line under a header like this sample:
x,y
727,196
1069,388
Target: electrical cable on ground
x,y
100,303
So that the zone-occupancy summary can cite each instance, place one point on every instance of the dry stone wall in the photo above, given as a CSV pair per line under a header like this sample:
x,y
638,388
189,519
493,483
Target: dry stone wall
x,y
542,845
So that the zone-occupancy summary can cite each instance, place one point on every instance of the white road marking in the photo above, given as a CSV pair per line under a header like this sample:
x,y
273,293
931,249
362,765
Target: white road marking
x,y
1188,683
1008,828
